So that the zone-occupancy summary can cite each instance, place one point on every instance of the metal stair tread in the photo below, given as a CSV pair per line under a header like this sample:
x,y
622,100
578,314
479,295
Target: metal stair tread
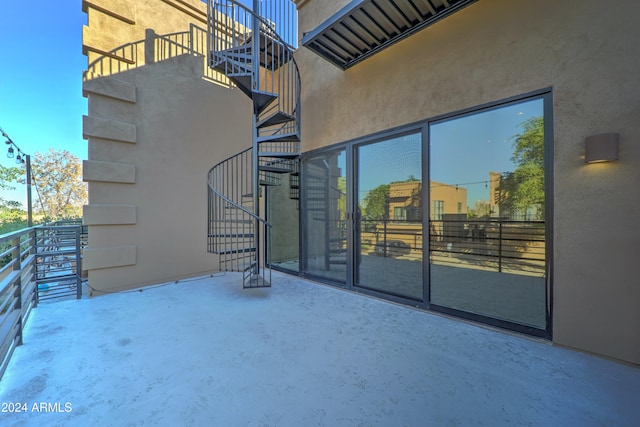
x,y
262,99
280,137
274,169
234,235
243,51
225,63
235,251
279,154
276,118
243,82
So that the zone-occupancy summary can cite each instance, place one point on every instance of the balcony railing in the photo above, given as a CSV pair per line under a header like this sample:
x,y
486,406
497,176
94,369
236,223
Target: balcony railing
x,y
36,263
18,293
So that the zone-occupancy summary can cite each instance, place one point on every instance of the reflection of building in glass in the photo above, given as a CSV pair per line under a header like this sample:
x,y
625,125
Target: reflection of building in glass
x,y
494,195
405,200
501,203
447,200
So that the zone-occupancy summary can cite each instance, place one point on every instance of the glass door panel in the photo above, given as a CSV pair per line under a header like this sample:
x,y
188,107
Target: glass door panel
x,y
486,222
283,213
324,198
388,241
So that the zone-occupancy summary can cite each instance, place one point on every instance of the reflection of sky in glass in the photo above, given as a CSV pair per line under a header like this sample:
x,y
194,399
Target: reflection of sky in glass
x,y
389,161
465,150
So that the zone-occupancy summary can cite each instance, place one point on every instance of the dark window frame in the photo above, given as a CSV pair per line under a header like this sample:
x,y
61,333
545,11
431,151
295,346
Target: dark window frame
x,y
423,126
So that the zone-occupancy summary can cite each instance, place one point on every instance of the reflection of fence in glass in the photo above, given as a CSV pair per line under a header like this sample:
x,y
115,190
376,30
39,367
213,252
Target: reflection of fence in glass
x,y
506,246
391,238
499,245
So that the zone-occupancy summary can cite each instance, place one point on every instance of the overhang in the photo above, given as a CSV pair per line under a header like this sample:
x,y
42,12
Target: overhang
x,y
365,27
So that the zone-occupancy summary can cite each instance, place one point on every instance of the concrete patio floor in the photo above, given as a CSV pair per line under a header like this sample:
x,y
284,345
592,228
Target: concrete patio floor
x,y
207,353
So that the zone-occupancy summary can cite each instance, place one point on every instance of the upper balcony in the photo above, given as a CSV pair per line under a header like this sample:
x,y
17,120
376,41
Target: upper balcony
x,y
365,27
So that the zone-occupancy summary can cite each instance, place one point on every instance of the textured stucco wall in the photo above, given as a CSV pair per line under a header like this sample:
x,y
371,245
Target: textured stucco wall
x,y
113,23
154,130
496,49
184,126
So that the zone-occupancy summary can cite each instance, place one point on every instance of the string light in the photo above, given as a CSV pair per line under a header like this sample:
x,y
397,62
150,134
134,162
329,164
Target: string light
x,y
13,150
22,159
463,184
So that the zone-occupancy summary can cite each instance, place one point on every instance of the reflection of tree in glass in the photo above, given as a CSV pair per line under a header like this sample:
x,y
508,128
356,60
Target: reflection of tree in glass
x,y
376,203
521,192
342,196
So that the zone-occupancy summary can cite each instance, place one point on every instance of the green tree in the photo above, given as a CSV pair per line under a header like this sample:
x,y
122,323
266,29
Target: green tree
x,y
10,175
341,196
12,216
57,176
523,189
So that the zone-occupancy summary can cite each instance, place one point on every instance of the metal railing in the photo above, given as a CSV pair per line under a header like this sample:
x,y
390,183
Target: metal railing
x,y
255,49
31,259
17,289
234,49
156,48
58,250
232,224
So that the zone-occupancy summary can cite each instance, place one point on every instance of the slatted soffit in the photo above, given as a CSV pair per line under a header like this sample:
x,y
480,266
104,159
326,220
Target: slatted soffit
x,y
365,27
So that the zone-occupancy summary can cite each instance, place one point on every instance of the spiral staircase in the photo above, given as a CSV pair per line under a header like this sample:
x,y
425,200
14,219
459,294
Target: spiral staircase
x,y
254,49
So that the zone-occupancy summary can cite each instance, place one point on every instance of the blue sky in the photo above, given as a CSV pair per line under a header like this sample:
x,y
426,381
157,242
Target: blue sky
x,y
41,75
41,64
463,151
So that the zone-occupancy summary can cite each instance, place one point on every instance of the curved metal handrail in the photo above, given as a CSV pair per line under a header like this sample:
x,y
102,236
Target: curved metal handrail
x,y
233,203
267,27
227,199
235,229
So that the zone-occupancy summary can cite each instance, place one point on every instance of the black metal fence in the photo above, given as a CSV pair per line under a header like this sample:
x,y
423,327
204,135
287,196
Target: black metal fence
x,y
37,263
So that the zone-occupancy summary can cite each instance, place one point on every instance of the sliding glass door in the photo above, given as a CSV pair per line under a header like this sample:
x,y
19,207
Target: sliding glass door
x,y
388,241
283,212
474,184
487,227
324,201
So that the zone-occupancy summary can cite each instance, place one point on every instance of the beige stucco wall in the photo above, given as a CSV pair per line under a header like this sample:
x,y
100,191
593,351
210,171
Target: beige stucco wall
x,y
154,131
184,126
113,23
496,49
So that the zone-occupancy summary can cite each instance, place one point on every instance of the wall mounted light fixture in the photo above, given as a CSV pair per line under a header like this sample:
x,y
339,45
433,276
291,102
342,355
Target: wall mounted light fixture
x,y
601,148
